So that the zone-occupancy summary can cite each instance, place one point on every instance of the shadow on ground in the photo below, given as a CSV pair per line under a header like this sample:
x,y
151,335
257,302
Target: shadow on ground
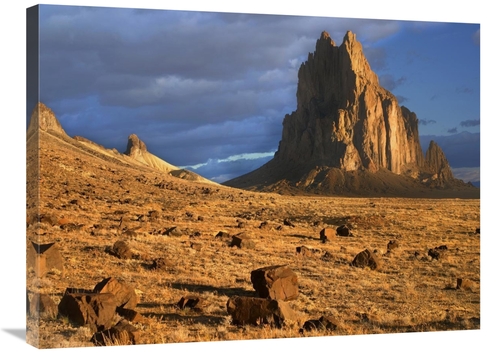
x,y
200,288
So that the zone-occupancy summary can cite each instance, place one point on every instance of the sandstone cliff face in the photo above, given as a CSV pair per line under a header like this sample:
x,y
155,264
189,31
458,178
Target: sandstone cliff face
x,y
344,118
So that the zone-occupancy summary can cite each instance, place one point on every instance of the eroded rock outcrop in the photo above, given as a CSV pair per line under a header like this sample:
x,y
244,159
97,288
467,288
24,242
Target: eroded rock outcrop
x,y
43,118
348,134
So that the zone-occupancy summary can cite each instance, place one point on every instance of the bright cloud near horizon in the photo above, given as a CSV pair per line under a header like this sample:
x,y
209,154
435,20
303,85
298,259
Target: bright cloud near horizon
x,y
210,90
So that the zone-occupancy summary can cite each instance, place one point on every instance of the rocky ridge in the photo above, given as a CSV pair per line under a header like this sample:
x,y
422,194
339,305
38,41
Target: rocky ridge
x,y
349,135
43,119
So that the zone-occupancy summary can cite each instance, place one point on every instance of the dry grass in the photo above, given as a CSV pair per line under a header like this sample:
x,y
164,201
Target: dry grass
x,y
409,293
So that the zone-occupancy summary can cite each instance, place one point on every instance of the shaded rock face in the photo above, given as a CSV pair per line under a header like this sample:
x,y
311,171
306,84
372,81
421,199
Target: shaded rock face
x,y
344,118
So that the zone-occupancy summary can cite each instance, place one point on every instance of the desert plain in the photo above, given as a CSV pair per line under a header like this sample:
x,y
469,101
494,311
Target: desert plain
x,y
85,198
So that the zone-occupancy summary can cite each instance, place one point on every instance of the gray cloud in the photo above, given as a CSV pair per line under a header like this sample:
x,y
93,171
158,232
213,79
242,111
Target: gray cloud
x,y
390,83
426,121
469,123
452,131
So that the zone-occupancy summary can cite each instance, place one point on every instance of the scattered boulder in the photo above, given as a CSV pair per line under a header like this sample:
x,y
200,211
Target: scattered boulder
x,y
324,323
42,306
125,295
275,282
223,236
288,223
438,253
190,301
463,283
121,250
95,310
393,244
305,251
123,333
196,246
344,231
44,258
366,258
326,234
242,240
261,311
173,231
161,264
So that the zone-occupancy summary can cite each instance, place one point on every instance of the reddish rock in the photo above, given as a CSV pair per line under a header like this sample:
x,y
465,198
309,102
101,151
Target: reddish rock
x,y
463,283
305,251
366,259
122,250
343,231
161,264
326,234
258,311
393,244
125,295
190,301
95,310
275,282
242,240
324,323
123,333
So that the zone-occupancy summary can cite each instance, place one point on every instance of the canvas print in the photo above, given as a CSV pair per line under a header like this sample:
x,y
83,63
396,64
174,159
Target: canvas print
x,y
200,176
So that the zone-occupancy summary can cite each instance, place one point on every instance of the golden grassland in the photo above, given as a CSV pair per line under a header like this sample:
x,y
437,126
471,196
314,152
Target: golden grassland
x,y
110,201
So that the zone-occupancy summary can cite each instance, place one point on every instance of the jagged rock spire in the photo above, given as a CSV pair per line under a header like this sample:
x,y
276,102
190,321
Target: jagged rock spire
x,y
344,118
43,118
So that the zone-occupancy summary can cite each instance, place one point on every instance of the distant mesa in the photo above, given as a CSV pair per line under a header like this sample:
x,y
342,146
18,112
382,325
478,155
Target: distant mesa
x,y
348,135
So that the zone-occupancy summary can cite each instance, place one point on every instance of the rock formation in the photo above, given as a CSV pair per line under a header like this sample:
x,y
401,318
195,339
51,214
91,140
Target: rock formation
x,y
43,118
347,130
137,150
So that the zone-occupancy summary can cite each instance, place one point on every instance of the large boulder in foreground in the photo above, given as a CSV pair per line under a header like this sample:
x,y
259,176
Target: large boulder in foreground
x,y
125,295
261,311
275,282
95,310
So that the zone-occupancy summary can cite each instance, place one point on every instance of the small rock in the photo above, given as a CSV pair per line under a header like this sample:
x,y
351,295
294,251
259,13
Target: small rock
x,y
343,231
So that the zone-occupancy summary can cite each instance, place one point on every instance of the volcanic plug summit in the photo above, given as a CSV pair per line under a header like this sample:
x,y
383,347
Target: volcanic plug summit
x,y
349,136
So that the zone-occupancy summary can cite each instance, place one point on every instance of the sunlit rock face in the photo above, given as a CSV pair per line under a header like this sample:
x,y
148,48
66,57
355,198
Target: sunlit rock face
x,y
344,118
349,136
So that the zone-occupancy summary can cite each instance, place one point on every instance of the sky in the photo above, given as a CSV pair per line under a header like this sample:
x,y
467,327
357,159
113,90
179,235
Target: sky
x,y
209,90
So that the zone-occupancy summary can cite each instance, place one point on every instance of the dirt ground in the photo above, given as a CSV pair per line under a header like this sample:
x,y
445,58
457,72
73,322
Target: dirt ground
x,y
89,200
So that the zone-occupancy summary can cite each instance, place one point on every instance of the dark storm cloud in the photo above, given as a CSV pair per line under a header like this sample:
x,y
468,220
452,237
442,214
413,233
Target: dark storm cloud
x,y
192,85
452,131
469,123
